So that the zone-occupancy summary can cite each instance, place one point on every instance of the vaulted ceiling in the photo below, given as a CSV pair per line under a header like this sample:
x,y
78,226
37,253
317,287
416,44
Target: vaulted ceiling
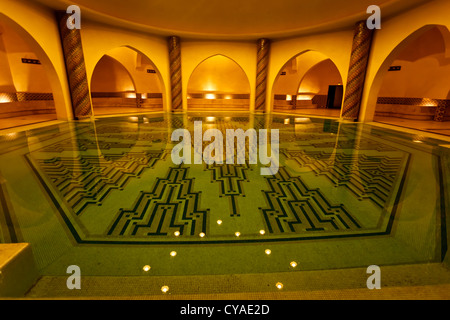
x,y
232,19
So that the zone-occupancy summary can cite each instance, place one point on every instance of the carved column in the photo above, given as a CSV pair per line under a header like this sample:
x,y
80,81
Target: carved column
x,y
362,42
440,110
175,73
263,52
75,66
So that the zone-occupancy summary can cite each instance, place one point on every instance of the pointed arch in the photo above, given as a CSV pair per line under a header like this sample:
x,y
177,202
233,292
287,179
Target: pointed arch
x,y
34,91
219,83
411,92
296,85
146,92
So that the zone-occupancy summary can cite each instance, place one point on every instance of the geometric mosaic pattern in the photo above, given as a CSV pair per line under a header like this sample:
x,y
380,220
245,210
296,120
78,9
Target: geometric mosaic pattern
x,y
413,101
171,205
368,177
88,180
105,195
230,179
441,105
105,173
26,96
350,144
294,207
87,144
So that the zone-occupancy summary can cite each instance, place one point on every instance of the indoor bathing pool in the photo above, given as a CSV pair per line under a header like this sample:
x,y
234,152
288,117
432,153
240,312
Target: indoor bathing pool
x,y
105,196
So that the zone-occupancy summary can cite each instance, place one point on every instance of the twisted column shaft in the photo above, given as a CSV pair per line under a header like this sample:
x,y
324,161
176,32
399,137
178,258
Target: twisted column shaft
x,y
263,51
440,111
362,42
75,66
175,73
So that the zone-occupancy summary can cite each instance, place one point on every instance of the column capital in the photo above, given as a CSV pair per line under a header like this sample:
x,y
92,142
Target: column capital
x,y
263,42
174,41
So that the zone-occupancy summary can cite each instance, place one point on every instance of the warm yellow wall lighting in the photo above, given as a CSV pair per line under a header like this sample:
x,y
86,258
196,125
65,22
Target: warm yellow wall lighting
x,y
304,98
302,120
4,98
426,102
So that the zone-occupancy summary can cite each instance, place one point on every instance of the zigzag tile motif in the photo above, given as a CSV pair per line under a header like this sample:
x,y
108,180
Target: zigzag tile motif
x,y
352,145
148,138
126,128
88,144
368,177
88,180
172,205
294,208
151,213
230,178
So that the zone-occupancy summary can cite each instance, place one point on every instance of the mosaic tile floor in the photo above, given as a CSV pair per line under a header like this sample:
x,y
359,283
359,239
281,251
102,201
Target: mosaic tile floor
x,y
15,122
330,284
317,112
111,111
106,196
442,128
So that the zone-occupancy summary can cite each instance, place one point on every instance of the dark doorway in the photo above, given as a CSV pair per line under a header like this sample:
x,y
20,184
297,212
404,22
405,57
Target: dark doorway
x,y
335,95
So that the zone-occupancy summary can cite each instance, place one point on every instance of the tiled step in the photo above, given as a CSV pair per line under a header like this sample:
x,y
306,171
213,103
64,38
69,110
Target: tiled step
x,y
18,270
427,281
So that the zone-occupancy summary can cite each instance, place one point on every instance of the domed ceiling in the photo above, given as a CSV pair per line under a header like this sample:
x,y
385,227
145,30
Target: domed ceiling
x,y
232,19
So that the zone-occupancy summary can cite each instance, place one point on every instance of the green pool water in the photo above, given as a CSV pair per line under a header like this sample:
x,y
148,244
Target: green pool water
x,y
105,195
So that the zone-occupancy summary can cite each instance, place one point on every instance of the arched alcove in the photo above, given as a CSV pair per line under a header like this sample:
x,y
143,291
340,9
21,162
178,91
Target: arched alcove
x,y
218,83
304,84
126,81
413,81
26,91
